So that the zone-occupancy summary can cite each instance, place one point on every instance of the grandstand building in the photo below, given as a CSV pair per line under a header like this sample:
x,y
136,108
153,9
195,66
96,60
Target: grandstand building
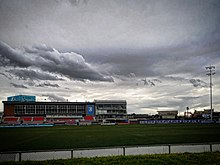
x,y
22,111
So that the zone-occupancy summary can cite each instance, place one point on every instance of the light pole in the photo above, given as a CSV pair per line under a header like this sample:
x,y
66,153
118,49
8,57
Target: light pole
x,y
210,71
187,109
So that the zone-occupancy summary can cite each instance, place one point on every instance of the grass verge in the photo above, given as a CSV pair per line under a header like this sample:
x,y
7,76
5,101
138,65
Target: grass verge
x,y
186,158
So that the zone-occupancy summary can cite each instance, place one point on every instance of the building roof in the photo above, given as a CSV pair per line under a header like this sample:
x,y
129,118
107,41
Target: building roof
x,y
110,101
44,102
173,112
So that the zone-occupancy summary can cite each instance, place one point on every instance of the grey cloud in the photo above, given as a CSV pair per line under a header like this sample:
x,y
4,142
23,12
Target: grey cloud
x,y
157,80
43,47
8,77
174,78
53,97
162,104
69,64
47,84
187,97
131,75
151,82
18,85
30,83
13,57
172,103
28,73
177,59
198,83
147,23
74,2
38,48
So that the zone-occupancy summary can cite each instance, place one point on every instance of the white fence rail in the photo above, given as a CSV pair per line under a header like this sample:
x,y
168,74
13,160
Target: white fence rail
x,y
98,152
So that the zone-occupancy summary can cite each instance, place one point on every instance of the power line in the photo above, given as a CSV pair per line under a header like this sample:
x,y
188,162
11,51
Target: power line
x,y
210,71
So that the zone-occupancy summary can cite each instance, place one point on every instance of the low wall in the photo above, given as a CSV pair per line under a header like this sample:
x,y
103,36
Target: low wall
x,y
98,152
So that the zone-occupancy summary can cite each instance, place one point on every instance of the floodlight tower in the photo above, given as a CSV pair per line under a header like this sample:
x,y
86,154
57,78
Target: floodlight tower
x,y
210,71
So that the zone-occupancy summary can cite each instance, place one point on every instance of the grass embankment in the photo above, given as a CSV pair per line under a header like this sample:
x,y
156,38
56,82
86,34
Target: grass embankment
x,y
70,137
186,158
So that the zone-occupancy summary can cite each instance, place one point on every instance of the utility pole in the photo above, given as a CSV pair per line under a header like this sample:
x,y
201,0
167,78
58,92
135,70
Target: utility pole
x,y
210,71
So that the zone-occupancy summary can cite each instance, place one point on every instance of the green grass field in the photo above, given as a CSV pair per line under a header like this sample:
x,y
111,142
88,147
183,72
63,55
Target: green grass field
x,y
186,158
70,137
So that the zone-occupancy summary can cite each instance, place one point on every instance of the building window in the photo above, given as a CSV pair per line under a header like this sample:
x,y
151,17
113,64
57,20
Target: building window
x,y
30,109
40,109
51,109
20,109
62,109
81,109
72,109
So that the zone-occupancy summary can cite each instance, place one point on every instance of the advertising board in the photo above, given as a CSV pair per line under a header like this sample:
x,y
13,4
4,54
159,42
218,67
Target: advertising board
x,y
90,110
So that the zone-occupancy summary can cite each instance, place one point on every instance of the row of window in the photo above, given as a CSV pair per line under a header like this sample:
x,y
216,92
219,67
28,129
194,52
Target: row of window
x,y
50,109
110,116
68,109
98,112
111,106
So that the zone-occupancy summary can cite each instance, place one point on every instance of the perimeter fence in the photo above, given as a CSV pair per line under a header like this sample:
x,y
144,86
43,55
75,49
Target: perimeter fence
x,y
113,151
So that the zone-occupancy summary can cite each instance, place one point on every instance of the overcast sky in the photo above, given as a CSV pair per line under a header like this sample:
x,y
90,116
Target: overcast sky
x,y
151,53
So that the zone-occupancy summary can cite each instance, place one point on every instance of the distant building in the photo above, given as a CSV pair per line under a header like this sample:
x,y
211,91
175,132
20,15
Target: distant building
x,y
216,116
205,114
167,114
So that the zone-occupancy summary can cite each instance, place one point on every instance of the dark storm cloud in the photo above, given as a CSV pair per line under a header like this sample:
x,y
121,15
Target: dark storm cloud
x,y
101,23
18,85
26,74
188,59
47,84
12,57
69,64
124,62
198,83
152,82
53,97
148,38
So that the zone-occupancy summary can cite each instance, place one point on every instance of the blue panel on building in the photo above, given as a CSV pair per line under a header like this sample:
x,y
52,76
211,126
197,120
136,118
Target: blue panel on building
x,y
90,110
22,98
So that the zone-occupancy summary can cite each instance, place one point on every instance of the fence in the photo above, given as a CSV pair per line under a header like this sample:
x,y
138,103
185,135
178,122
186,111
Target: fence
x,y
98,152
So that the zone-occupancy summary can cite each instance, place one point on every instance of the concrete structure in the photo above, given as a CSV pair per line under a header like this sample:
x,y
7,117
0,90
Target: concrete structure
x,y
167,114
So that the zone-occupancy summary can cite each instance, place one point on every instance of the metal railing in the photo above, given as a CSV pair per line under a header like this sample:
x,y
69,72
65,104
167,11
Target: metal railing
x,y
113,151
